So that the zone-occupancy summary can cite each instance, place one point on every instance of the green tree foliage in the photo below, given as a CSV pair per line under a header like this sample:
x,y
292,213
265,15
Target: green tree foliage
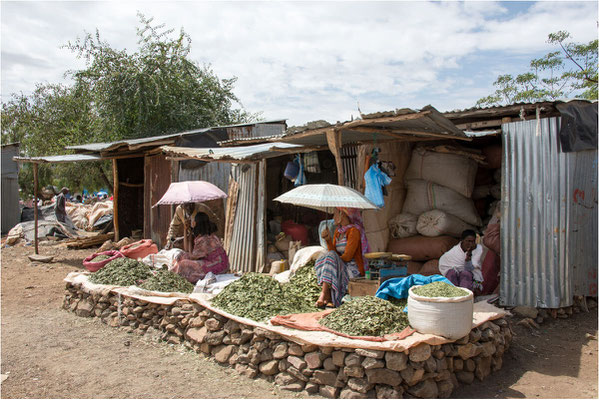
x,y
570,70
155,90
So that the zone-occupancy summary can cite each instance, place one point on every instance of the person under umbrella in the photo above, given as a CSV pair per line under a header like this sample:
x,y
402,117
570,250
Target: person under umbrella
x,y
183,221
344,258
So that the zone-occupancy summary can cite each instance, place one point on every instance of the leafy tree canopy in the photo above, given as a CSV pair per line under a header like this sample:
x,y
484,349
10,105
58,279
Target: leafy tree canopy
x,y
571,70
155,90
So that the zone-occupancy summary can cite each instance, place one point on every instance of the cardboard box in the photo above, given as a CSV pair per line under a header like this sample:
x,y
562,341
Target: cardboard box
x,y
362,287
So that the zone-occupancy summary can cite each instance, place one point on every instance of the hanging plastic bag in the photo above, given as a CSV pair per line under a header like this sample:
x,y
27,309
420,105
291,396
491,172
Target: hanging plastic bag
x,y
301,177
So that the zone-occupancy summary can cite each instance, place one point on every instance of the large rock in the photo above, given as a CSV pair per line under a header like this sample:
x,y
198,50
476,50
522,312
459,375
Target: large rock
x,y
223,353
311,388
338,358
469,350
465,376
425,390
197,334
359,385
196,322
294,387
215,338
370,363
356,371
420,353
525,311
269,367
308,347
350,394
231,326
469,365
314,359
475,335
324,377
444,388
352,360
285,379
388,392
297,362
370,353
328,391
329,365
297,373
280,351
411,376
84,309
266,354
383,375
396,361
483,367
213,324
488,349
295,350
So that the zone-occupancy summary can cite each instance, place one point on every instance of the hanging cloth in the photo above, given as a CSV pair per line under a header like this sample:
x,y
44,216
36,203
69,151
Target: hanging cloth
x,y
301,176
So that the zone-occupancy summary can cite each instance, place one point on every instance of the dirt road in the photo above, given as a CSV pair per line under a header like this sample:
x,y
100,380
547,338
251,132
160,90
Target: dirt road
x,y
51,353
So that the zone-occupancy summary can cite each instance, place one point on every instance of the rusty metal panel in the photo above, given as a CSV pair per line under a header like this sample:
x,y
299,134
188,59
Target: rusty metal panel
x,y
349,159
535,218
216,173
583,222
255,131
157,180
242,251
10,188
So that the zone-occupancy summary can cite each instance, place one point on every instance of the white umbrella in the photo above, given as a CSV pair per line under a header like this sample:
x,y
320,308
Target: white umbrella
x,y
324,197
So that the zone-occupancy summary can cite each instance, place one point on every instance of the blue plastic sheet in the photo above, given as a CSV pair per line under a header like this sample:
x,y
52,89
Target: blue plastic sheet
x,y
399,287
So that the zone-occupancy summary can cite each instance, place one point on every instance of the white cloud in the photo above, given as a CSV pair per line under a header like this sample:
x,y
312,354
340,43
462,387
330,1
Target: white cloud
x,y
307,61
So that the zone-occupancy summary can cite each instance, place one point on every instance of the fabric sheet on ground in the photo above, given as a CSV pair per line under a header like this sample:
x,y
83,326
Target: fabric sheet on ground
x,y
483,312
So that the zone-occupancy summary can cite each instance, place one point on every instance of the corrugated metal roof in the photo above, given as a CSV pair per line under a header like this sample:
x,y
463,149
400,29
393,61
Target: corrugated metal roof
x,y
149,141
249,140
60,158
482,133
253,152
404,124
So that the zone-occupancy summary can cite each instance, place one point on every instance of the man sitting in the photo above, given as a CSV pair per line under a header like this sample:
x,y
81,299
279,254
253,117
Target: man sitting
x,y
462,263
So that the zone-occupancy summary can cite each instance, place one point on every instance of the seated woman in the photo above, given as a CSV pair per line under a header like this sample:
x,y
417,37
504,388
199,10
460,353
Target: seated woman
x,y
344,258
208,254
462,263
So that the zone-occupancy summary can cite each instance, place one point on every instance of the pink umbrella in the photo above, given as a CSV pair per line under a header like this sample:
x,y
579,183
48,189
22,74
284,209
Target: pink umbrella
x,y
190,192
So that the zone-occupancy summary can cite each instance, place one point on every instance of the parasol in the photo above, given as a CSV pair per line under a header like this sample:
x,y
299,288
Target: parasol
x,y
190,192
323,197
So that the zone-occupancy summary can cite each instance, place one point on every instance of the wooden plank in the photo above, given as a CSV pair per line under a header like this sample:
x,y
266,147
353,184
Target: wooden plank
x,y
334,142
230,212
35,200
115,200
83,243
383,120
406,133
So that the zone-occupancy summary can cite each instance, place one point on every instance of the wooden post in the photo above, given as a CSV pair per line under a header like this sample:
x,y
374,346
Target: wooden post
x,y
334,142
35,207
115,200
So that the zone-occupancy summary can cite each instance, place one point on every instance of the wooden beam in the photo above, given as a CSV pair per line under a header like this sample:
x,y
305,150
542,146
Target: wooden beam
x,y
334,142
35,200
383,120
401,133
115,201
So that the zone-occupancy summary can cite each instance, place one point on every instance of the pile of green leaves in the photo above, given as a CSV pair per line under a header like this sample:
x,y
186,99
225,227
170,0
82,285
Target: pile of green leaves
x,y
439,289
401,303
122,272
167,281
366,316
260,297
99,258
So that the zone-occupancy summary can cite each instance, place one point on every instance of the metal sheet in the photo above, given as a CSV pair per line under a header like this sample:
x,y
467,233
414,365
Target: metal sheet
x,y
9,167
213,172
252,152
10,203
261,217
537,245
60,159
157,180
583,222
242,252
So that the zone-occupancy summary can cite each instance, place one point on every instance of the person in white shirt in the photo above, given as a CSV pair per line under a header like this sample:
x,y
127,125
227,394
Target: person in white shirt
x,y
462,263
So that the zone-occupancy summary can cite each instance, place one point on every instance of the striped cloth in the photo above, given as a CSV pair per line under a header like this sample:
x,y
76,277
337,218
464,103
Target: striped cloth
x,y
332,269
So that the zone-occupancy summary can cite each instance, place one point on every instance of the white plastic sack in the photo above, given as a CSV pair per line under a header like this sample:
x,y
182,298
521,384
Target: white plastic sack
x,y
438,223
424,196
403,225
163,257
450,317
454,171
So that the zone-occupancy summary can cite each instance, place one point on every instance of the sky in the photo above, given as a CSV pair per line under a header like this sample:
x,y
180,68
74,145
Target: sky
x,y
306,61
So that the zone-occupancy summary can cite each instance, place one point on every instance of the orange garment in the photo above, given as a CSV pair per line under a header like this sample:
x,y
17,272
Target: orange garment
x,y
353,248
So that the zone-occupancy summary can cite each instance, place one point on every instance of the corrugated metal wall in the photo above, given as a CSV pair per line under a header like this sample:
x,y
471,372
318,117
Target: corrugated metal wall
x,y
157,179
537,247
10,188
349,157
242,252
216,173
582,239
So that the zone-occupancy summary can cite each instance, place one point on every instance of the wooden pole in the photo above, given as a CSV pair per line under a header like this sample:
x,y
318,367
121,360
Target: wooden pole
x,y
115,200
334,142
35,207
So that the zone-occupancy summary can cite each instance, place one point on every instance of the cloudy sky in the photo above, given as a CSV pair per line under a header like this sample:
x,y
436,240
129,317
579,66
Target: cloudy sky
x,y
310,60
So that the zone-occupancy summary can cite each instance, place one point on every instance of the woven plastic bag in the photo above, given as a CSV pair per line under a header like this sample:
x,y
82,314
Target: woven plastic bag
x,y
438,223
95,266
139,249
403,225
450,317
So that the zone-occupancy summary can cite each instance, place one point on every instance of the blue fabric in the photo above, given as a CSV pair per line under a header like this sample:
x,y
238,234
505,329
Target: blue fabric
x,y
301,177
399,287
375,180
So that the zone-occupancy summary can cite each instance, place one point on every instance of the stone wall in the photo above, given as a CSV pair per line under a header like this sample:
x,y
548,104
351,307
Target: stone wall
x,y
424,371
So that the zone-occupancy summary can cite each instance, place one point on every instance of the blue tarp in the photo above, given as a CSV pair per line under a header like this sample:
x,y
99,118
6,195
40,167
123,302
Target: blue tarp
x,y
399,287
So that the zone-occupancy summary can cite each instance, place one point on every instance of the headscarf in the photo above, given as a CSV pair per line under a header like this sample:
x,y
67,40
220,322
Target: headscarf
x,y
355,221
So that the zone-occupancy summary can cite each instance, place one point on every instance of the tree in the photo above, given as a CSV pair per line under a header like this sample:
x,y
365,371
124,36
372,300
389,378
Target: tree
x,y
155,90
570,70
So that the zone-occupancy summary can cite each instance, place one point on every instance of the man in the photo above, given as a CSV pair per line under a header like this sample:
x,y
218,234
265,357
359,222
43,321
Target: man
x,y
60,210
462,264
183,221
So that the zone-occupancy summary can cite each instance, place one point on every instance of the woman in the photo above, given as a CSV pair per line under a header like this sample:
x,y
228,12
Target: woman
x,y
462,264
344,258
208,254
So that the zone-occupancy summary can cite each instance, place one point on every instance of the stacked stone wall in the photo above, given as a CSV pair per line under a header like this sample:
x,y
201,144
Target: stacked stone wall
x,y
424,371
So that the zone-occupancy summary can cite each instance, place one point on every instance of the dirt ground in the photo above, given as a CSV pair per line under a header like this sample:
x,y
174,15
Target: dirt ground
x,y
51,353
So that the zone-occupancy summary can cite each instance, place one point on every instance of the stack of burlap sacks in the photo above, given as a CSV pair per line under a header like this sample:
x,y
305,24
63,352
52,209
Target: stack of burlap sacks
x,y
438,207
84,216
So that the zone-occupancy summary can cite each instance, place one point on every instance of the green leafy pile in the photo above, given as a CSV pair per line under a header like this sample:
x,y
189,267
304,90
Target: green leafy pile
x,y
167,281
260,297
439,289
366,316
122,272
401,303
100,257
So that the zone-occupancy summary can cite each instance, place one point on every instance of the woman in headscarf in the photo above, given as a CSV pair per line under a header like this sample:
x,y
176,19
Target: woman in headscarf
x,y
208,254
344,258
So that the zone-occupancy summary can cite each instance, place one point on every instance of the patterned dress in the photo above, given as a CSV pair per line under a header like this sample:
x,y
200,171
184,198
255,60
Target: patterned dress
x,y
208,255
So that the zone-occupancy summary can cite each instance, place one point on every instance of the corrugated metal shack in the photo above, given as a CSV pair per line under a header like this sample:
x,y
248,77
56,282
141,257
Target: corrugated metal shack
x,y
10,187
549,206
